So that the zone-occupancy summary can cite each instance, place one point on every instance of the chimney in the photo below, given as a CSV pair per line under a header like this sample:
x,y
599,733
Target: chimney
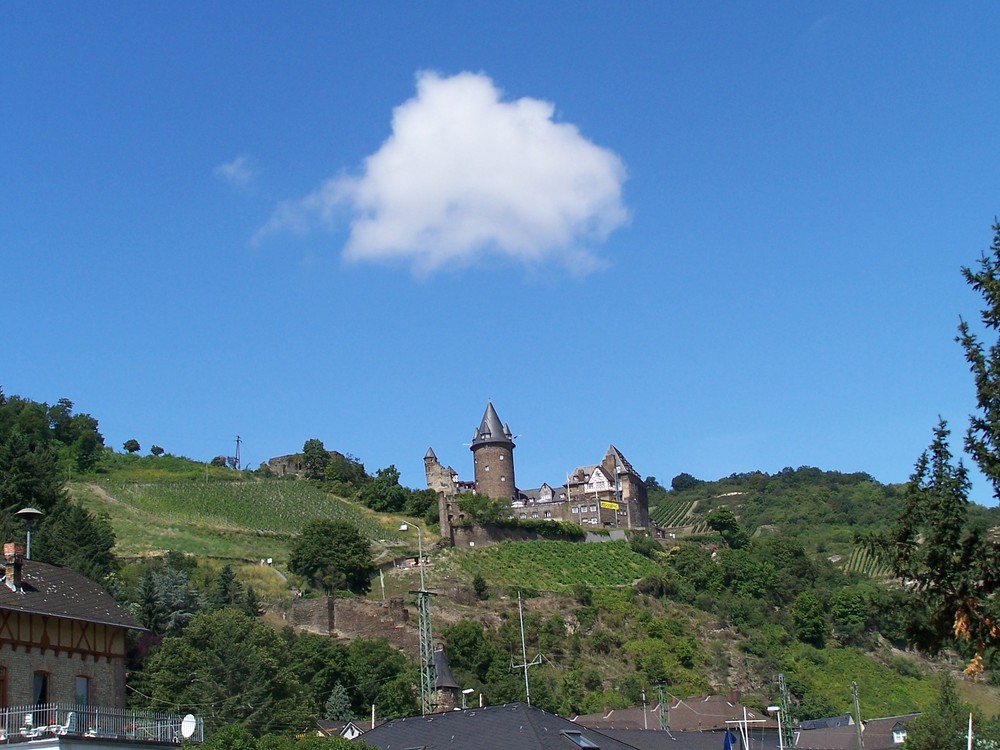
x,y
13,556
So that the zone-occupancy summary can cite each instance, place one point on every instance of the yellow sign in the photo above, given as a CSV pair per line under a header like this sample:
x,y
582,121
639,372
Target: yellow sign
x,y
609,506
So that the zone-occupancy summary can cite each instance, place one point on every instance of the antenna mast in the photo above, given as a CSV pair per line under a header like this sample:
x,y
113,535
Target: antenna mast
x,y
664,715
524,653
787,735
238,441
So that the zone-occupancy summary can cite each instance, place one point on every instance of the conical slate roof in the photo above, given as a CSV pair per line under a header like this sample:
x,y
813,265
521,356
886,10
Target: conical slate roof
x,y
443,672
491,429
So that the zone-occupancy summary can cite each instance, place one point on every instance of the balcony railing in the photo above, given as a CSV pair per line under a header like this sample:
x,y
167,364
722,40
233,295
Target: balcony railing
x,y
23,723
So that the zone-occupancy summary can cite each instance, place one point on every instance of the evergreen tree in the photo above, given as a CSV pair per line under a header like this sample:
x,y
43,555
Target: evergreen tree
x,y
954,569
983,438
949,566
338,705
72,536
29,475
227,590
251,604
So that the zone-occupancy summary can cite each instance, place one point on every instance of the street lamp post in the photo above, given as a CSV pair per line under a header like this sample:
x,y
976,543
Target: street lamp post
x,y
428,676
30,515
776,710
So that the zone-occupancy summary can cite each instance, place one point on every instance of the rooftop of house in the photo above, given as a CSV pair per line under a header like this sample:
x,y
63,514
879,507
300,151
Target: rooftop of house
x,y
492,728
877,734
700,714
38,588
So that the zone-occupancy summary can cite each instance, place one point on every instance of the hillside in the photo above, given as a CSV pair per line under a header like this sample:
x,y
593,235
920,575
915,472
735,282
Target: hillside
x,y
161,504
824,510
608,620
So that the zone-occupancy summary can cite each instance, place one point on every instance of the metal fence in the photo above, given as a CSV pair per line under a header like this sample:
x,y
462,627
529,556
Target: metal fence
x,y
20,723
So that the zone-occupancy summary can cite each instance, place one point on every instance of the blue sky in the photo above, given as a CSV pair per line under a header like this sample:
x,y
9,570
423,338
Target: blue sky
x,y
722,236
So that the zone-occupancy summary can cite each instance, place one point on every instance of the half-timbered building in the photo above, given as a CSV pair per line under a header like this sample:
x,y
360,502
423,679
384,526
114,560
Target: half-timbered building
x,y
63,642
62,636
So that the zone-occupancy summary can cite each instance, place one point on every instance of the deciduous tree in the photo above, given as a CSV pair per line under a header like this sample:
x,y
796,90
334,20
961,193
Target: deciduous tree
x,y
233,663
314,458
334,556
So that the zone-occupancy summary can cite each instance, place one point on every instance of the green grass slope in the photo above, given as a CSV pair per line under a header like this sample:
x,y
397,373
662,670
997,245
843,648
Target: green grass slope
x,y
551,565
156,505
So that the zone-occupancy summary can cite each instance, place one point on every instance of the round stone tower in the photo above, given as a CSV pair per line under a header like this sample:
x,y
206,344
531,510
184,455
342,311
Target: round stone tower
x,y
493,455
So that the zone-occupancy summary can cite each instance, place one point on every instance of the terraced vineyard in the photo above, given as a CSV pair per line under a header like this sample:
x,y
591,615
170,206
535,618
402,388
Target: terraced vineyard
x,y
224,518
553,565
673,513
862,561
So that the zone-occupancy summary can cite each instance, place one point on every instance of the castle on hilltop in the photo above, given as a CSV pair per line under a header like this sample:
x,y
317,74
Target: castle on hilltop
x,y
607,495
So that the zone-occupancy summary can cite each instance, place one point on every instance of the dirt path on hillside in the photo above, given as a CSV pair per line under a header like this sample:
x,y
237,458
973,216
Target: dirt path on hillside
x,y
105,495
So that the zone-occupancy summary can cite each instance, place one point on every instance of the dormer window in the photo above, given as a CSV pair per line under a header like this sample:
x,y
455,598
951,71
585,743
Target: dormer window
x,y
578,739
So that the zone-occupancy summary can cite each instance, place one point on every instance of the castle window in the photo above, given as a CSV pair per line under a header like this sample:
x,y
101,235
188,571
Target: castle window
x,y
502,456
503,479
548,514
487,468
575,509
593,520
522,515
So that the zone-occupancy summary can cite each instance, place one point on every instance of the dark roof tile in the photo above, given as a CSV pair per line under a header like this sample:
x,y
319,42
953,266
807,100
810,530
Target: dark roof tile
x,y
62,592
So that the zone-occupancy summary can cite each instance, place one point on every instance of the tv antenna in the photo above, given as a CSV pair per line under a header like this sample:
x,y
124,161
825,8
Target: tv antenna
x,y
524,653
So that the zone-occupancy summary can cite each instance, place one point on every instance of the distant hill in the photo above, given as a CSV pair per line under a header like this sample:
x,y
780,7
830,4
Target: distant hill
x,y
824,510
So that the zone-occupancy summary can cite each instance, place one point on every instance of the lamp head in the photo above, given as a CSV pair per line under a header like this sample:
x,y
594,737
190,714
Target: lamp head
x,y
30,514
404,527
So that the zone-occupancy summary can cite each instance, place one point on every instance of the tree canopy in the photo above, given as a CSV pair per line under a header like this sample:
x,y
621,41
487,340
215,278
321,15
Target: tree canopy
x,y
314,458
951,567
334,556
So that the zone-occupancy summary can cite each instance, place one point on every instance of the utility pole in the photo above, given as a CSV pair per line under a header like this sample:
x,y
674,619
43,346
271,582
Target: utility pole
x,y
524,654
857,716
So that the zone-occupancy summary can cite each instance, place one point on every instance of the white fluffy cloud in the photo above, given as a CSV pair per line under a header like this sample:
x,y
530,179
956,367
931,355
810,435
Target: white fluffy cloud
x,y
466,174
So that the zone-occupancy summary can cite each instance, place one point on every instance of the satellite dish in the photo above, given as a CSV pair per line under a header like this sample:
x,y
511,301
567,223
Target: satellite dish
x,y
188,725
